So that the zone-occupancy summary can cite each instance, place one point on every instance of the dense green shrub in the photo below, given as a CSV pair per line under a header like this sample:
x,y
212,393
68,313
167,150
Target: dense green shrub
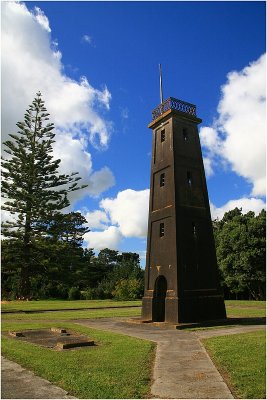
x,y
128,289
92,294
74,293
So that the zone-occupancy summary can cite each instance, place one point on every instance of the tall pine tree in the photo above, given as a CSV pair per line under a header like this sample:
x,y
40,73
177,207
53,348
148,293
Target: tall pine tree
x,y
34,190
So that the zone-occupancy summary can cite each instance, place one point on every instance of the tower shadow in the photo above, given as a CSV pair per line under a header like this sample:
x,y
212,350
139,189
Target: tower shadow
x,y
225,322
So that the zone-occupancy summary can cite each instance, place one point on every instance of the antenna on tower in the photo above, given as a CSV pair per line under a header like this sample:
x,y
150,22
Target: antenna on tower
x,y
160,84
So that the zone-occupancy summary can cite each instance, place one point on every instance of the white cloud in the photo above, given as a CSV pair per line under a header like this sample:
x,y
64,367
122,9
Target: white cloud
x,y
97,219
124,216
100,181
210,139
129,210
42,19
109,238
31,62
75,158
208,166
72,154
247,204
238,134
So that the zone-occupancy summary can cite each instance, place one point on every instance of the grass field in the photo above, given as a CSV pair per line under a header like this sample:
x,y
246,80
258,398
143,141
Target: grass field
x,y
245,303
120,366
242,308
245,309
17,321
241,360
117,367
64,304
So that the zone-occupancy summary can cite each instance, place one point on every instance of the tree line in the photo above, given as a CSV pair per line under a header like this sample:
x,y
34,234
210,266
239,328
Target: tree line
x,y
42,247
241,254
69,273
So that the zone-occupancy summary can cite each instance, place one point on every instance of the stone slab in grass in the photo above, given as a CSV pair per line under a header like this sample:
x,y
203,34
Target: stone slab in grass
x,y
54,338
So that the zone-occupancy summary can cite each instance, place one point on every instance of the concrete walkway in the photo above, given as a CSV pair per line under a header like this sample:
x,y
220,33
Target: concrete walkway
x,y
183,369
19,383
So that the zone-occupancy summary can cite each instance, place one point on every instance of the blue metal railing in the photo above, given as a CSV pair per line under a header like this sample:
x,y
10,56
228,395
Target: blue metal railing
x,y
174,104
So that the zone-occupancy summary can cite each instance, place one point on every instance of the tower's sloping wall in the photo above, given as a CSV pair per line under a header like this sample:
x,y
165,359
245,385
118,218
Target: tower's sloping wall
x,y
180,246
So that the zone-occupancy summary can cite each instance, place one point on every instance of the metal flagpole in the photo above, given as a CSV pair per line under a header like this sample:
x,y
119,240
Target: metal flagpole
x,y
160,84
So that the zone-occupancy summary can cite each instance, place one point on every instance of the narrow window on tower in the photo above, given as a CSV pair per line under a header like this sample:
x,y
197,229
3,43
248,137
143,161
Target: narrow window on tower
x,y
194,229
162,180
189,178
162,135
161,229
185,134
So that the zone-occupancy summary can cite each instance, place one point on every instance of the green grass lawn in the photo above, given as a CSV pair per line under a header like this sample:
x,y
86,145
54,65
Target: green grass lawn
x,y
120,366
245,303
242,308
245,309
241,360
117,367
64,304
17,321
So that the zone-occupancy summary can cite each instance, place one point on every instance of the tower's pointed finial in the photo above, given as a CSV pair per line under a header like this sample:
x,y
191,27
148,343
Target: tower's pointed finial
x,y
160,84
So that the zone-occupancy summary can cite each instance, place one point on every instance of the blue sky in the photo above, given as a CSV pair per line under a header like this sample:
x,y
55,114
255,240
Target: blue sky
x,y
96,64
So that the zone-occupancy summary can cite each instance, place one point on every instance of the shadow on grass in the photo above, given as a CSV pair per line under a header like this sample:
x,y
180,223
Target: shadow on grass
x,y
224,322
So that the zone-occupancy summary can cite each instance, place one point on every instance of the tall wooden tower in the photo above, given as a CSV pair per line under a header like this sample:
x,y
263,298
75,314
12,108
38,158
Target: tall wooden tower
x,y
181,278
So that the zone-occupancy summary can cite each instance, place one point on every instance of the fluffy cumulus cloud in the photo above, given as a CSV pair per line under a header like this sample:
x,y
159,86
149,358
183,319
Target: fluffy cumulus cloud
x,y
129,210
124,216
97,219
42,19
75,158
109,238
247,204
237,136
31,62
100,181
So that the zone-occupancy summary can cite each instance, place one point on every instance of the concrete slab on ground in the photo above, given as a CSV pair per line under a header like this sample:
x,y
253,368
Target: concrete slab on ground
x,y
52,338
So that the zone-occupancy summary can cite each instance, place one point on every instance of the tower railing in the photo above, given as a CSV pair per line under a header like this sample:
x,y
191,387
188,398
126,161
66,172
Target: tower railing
x,y
174,104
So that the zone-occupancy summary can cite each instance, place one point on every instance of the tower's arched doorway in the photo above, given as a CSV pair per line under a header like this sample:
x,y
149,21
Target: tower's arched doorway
x,y
160,289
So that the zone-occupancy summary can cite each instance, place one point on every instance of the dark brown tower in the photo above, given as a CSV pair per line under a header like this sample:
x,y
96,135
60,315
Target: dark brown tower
x,y
181,279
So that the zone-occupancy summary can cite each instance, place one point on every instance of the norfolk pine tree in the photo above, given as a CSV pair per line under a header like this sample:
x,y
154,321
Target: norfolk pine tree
x,y
33,189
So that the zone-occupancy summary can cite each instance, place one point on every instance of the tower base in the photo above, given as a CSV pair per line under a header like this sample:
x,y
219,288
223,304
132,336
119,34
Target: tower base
x,y
187,309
